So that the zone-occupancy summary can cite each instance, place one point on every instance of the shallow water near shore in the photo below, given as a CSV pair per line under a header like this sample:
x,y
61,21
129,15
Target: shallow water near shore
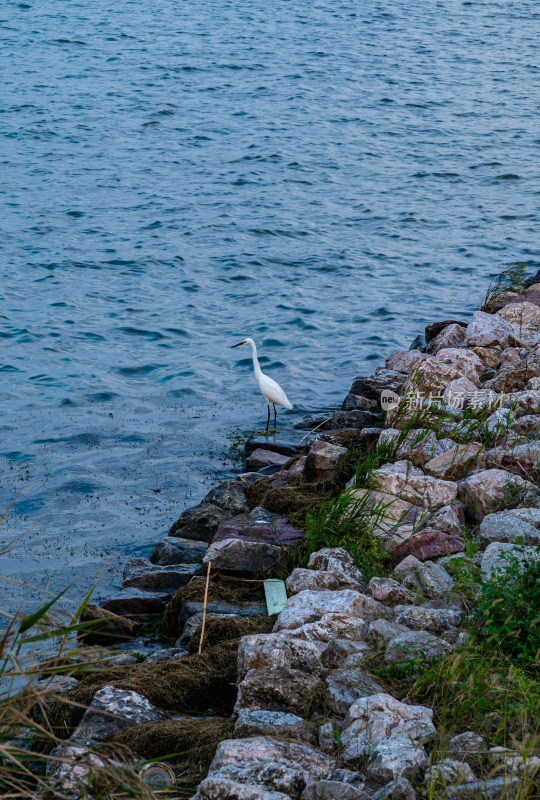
x,y
326,179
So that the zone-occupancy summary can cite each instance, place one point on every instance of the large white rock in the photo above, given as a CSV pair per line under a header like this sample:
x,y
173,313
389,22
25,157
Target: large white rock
x,y
523,316
409,483
416,644
485,492
389,733
465,361
451,336
427,618
530,515
498,556
275,651
449,519
330,559
112,710
505,526
432,579
490,330
282,766
404,360
308,606
329,627
320,580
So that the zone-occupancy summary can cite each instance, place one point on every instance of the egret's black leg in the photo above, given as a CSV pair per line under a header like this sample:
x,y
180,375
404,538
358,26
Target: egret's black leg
x,y
268,420
275,418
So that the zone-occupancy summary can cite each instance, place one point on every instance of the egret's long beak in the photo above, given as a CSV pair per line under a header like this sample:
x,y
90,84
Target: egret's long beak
x,y
237,345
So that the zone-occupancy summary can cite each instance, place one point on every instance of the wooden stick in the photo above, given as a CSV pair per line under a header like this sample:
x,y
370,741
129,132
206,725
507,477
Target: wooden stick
x,y
315,429
204,607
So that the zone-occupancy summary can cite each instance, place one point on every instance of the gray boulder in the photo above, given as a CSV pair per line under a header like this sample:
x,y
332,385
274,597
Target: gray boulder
x,y
414,644
241,557
505,526
230,496
289,690
173,550
199,522
112,710
498,556
140,573
347,685
401,789
427,577
428,618
273,723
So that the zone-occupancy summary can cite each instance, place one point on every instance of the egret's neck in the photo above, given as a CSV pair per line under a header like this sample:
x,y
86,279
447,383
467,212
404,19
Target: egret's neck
x,y
256,365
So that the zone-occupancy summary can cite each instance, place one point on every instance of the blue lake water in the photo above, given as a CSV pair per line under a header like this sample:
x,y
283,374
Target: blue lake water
x,y
324,177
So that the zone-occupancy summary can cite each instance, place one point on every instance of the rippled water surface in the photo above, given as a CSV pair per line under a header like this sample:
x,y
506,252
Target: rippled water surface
x,y
325,177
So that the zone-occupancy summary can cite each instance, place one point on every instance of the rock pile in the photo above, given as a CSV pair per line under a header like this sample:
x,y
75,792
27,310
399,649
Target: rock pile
x,y
312,721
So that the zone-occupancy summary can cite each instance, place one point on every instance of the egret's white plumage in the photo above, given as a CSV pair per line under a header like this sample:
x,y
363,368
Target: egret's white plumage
x,y
269,388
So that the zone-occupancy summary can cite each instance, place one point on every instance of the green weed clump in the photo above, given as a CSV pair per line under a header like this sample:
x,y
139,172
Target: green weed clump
x,y
507,613
511,278
350,524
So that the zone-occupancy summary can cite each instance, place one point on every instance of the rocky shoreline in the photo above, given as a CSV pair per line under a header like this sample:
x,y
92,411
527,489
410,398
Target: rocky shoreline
x,y
385,525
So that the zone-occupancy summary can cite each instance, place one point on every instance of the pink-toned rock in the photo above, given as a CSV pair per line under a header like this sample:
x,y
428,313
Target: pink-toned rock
x,y
404,360
449,519
433,330
465,361
409,483
428,544
487,491
527,402
430,378
384,511
451,336
278,531
459,393
523,316
323,461
489,356
309,606
296,471
490,330
512,355
260,458
515,377
389,591
454,464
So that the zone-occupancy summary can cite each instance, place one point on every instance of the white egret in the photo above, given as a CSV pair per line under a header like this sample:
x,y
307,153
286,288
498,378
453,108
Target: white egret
x,y
270,390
